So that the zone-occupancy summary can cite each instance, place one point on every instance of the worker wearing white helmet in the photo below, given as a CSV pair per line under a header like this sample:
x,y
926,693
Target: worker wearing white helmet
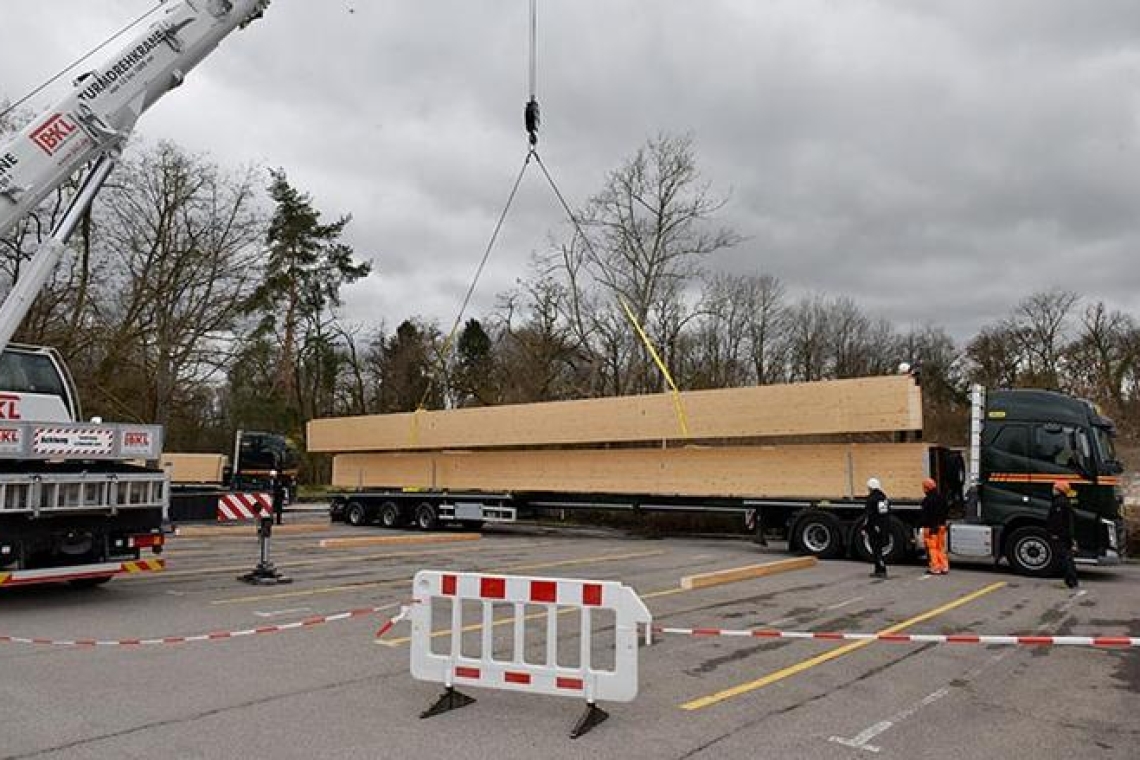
x,y
877,513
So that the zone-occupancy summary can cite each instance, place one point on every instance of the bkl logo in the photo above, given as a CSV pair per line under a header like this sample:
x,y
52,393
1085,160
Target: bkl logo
x,y
9,406
53,133
136,439
9,435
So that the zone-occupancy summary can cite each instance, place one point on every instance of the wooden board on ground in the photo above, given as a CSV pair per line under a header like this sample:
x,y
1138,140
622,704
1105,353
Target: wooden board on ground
x,y
792,471
748,572
836,407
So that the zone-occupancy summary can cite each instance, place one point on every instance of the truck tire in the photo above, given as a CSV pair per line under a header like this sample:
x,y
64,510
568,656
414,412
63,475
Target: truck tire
x,y
390,516
355,514
819,534
1030,552
898,548
426,517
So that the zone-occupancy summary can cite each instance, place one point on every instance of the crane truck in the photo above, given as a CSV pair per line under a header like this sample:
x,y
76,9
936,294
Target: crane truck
x,y
74,504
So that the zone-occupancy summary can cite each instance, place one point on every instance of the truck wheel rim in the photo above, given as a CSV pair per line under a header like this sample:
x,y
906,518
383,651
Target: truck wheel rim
x,y
1034,553
816,537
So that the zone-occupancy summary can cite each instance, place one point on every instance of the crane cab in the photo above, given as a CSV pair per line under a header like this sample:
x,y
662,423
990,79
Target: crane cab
x,y
35,386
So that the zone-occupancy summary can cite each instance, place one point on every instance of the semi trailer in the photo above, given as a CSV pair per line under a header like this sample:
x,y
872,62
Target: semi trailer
x,y
807,493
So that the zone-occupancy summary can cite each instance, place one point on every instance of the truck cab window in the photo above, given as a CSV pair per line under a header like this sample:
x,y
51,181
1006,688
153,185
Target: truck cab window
x,y
1054,445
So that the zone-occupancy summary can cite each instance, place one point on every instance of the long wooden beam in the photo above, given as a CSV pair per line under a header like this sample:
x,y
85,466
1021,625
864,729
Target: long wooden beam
x,y
872,404
793,471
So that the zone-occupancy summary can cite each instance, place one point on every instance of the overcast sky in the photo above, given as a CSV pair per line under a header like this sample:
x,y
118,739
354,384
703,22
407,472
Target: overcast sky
x,y
934,160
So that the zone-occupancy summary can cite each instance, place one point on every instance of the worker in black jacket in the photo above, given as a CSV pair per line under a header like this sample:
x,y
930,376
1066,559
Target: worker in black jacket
x,y
933,519
1059,523
877,513
277,489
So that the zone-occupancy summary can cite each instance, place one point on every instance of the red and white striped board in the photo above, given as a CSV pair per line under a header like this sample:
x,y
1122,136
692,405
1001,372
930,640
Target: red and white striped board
x,y
244,506
915,638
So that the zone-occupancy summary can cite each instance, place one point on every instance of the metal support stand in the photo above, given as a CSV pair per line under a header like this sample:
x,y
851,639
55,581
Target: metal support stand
x,y
448,701
592,717
266,573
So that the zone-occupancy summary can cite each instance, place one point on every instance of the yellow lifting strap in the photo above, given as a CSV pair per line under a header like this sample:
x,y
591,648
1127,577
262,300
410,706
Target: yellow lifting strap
x,y
677,405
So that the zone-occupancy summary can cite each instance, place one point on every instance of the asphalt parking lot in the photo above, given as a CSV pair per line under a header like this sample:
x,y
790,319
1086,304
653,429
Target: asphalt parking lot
x,y
335,691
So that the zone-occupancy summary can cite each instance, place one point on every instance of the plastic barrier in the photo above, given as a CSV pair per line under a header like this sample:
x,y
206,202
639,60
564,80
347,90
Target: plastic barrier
x,y
588,678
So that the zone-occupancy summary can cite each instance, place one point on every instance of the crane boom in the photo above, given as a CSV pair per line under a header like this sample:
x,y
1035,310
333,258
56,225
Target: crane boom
x,y
92,122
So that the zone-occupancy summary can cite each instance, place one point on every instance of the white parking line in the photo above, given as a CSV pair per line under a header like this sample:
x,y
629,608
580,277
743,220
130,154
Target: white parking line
x,y
860,740
852,600
290,611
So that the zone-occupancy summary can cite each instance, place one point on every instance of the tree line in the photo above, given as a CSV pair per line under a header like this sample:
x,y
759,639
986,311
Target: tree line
x,y
207,299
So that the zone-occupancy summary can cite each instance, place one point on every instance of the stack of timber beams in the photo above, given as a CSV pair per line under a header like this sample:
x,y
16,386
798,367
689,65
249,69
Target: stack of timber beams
x,y
638,444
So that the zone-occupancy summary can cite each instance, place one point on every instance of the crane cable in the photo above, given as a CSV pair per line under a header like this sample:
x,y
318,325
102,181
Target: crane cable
x,y
13,106
531,120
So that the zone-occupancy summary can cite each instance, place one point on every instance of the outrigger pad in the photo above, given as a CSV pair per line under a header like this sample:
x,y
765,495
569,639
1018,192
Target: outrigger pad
x,y
265,576
592,717
448,701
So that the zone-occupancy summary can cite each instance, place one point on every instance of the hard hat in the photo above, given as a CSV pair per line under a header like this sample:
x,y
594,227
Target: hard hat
x,y
873,484
929,485
1061,485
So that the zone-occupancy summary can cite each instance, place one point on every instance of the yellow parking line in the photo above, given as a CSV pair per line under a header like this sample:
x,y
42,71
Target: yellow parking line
x,y
311,562
400,581
603,558
429,538
800,667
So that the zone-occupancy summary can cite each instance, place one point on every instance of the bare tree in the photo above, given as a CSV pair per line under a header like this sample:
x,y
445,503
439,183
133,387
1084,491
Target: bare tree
x,y
181,235
1041,320
649,232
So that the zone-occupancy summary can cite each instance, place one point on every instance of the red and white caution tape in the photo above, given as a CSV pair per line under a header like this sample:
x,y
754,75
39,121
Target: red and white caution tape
x,y
214,636
404,611
914,638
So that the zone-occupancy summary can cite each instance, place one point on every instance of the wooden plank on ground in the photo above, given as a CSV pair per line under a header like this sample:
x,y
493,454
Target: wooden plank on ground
x,y
791,471
748,572
411,538
862,405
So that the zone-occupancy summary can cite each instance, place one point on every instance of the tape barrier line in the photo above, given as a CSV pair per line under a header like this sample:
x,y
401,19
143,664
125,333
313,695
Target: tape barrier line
x,y
1104,642
308,622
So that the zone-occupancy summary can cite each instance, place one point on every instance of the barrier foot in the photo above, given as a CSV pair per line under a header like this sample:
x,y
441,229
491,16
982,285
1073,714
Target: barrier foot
x,y
448,701
592,717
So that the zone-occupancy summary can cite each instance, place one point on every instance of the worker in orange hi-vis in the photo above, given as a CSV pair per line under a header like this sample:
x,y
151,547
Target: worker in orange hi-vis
x,y
934,514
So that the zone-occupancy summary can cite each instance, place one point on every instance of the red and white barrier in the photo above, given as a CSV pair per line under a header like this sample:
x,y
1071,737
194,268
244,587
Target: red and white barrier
x,y
213,636
244,506
1105,642
517,672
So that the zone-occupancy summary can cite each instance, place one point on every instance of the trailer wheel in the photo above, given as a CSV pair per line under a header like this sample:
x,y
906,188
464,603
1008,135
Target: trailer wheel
x,y
819,534
355,513
426,517
390,516
1030,552
897,548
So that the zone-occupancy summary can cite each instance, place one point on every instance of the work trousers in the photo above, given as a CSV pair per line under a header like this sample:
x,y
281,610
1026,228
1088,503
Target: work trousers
x,y
935,541
877,538
1065,560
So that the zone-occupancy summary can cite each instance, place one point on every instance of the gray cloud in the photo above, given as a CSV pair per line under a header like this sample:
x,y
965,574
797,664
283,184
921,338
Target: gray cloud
x,y
936,161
